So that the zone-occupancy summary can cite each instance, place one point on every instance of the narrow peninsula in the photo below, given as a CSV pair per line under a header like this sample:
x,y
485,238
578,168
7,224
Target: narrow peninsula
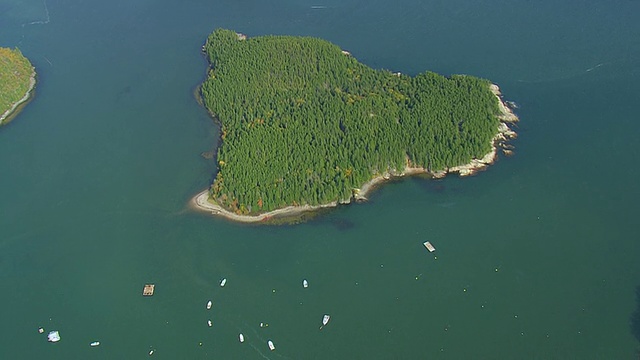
x,y
17,81
304,125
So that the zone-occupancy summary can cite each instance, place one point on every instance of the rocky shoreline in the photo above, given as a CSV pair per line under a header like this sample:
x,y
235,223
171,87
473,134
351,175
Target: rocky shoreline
x,y
15,109
500,141
505,133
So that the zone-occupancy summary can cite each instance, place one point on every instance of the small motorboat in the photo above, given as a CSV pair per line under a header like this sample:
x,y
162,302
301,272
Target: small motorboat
x,y
53,336
223,282
325,320
429,246
95,343
305,283
40,330
150,352
241,338
271,346
209,323
209,305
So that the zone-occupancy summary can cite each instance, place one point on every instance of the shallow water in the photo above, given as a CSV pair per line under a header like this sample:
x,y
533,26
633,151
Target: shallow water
x,y
536,257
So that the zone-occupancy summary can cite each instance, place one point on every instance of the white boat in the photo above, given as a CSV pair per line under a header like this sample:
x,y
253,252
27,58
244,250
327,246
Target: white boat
x,y
53,336
325,320
150,352
271,346
209,323
223,282
305,283
241,338
429,246
95,343
40,330
209,305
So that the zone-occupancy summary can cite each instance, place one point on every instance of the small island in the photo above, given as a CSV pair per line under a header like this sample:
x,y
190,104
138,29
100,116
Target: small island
x,y
17,81
305,126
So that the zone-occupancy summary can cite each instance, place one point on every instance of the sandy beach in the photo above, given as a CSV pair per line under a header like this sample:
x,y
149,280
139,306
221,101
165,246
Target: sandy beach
x,y
201,201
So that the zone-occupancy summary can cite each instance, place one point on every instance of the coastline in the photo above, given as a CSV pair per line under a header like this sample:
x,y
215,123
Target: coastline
x,y
201,200
17,106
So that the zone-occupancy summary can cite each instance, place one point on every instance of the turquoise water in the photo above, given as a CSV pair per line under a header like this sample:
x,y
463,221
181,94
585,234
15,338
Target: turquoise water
x,y
537,258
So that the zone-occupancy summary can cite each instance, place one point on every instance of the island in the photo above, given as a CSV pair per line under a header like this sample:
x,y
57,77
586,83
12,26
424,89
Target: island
x,y
305,126
17,81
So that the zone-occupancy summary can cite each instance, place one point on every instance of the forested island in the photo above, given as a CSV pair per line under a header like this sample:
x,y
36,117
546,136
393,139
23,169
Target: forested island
x,y
305,125
17,80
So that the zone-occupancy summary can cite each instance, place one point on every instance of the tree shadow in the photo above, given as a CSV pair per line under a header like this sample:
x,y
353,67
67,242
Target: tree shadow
x,y
635,317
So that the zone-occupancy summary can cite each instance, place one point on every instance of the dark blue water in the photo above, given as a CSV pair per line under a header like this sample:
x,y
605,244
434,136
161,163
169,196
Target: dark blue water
x,y
537,257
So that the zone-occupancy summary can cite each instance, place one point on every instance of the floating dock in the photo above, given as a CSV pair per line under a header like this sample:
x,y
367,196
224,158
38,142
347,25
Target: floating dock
x,y
148,290
429,246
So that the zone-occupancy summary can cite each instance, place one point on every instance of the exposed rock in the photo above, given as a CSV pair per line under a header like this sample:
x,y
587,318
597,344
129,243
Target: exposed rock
x,y
439,174
507,115
506,132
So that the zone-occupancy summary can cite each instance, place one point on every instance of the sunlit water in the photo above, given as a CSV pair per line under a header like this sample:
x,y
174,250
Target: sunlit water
x,y
537,258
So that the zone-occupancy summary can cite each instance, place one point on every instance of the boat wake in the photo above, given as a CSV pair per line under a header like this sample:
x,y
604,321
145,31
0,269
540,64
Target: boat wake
x,y
41,22
571,75
259,352
595,67
261,341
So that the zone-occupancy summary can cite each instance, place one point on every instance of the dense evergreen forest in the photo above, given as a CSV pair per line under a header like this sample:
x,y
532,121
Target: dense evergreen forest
x,y
303,122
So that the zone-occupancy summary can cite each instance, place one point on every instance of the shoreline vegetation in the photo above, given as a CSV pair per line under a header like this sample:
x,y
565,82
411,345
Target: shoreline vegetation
x,y
17,83
494,116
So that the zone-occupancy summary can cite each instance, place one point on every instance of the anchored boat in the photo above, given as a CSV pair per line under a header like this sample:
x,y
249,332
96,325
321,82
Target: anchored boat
x,y
325,320
53,336
209,305
429,246
271,346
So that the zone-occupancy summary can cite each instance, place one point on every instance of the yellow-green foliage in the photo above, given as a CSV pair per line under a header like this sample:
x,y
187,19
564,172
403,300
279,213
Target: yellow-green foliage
x,y
15,74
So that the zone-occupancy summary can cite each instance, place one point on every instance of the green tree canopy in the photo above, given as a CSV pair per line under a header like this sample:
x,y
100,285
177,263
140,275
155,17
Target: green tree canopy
x,y
304,123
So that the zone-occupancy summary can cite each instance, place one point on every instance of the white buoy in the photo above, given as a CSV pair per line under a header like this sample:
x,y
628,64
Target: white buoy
x,y
241,338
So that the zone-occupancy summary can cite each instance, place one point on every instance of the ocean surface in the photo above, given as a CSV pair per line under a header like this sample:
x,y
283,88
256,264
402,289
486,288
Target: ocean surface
x,y
537,258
